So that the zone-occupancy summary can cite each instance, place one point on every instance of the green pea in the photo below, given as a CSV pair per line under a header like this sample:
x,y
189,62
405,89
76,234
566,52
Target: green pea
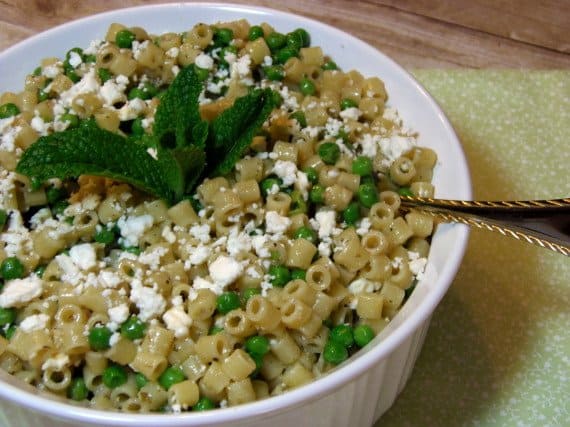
x,y
203,404
8,110
201,73
43,95
7,316
317,194
140,380
305,36
307,87
3,218
10,332
367,195
258,345
76,50
69,220
351,214
249,292
115,376
37,71
362,166
137,92
329,152
306,233
135,250
133,328
223,36
300,117
284,54
12,268
40,270
90,59
72,119
267,185
125,38
279,275
71,75
275,41
367,179
171,375
329,65
348,103
99,337
363,334
312,175
77,389
59,207
334,352
54,195
295,40
274,72
298,273
342,334
227,302
215,330
104,74
405,191
255,32
137,128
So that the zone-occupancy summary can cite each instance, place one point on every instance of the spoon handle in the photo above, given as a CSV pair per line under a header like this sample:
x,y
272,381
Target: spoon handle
x,y
545,223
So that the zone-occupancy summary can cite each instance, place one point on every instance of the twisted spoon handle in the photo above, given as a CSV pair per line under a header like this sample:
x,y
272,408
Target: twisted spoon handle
x,y
545,223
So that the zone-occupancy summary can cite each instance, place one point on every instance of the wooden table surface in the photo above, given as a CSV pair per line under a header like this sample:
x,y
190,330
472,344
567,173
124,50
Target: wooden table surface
x,y
416,33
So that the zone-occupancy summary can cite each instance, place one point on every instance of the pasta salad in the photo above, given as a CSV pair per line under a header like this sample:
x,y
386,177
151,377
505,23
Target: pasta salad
x,y
202,219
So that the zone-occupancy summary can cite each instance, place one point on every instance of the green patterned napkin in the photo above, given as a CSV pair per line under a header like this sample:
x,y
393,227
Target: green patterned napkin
x,y
498,350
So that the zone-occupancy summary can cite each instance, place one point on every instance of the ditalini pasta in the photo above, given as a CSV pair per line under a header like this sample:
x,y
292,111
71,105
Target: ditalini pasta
x,y
261,281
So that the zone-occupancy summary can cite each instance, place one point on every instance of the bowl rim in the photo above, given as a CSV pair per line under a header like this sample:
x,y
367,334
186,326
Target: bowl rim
x,y
342,374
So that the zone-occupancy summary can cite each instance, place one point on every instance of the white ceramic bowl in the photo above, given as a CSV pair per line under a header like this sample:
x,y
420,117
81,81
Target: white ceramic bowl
x,y
364,387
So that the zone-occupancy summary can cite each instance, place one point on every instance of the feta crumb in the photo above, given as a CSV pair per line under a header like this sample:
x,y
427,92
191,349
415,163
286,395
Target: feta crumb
x,y
204,61
285,170
149,302
17,292
224,270
351,113
133,227
117,315
83,256
177,320
56,363
275,223
326,220
34,322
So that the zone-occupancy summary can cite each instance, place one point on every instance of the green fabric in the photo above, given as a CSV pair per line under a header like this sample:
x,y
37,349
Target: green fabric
x,y
498,349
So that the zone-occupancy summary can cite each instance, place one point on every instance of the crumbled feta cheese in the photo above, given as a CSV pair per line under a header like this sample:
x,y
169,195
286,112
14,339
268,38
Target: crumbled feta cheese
x,y
83,256
275,223
259,243
109,279
201,232
363,285
199,255
204,61
133,227
40,126
51,71
56,363
152,152
74,59
173,52
396,145
88,84
70,271
285,170
168,235
238,243
224,270
326,220
369,145
112,92
114,339
117,315
151,257
363,226
177,320
17,292
34,322
241,66
201,283
132,109
149,302
351,113
267,60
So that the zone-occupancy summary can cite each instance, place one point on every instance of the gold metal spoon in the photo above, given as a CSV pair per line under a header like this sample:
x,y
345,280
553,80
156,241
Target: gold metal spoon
x,y
545,223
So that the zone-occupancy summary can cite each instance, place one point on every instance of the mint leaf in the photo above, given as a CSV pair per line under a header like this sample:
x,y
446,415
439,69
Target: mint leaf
x,y
178,114
89,150
234,129
192,161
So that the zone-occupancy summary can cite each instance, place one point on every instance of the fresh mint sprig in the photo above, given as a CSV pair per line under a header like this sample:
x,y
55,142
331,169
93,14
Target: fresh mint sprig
x,y
187,147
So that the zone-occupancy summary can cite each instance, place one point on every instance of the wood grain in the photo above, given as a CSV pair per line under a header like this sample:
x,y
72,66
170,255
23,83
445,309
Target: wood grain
x,y
416,33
